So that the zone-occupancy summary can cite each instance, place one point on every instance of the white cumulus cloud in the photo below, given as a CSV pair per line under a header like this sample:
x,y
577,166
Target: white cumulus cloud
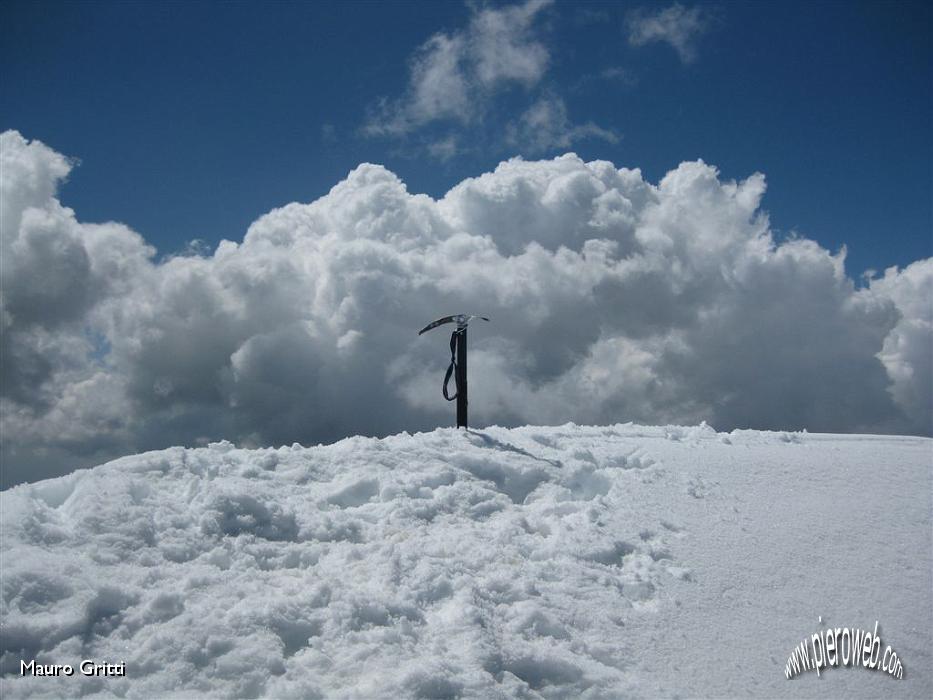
x,y
545,125
908,349
612,299
453,76
675,25
455,80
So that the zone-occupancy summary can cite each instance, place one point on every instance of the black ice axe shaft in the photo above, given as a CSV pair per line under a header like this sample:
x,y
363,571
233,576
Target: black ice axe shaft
x,y
458,362
460,380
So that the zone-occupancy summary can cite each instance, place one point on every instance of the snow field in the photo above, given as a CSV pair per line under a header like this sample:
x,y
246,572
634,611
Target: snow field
x,y
534,562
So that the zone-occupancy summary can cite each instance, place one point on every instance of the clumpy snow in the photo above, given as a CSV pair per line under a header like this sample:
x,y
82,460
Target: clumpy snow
x,y
569,562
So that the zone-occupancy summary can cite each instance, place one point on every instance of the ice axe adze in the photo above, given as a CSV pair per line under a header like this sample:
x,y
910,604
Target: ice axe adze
x,y
458,361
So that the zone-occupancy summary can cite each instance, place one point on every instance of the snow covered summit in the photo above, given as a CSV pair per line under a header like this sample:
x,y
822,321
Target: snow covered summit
x,y
536,562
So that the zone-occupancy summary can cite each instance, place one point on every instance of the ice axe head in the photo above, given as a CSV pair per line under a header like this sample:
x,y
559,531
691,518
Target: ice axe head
x,y
462,321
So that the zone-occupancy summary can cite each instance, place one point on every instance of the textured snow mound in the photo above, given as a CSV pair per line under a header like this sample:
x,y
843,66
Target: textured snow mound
x,y
554,562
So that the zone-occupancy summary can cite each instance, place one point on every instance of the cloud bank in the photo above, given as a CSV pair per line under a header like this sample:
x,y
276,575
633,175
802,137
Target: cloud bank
x,y
613,299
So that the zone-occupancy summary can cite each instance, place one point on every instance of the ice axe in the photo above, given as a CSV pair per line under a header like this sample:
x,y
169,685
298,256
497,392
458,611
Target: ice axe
x,y
458,361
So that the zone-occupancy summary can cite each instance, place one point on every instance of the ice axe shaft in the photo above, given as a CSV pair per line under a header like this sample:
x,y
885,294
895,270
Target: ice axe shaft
x,y
461,377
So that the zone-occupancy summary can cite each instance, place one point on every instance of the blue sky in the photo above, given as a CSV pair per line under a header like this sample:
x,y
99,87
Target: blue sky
x,y
191,119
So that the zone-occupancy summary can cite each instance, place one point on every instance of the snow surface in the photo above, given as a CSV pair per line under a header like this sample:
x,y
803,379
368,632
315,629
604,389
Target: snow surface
x,y
535,562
